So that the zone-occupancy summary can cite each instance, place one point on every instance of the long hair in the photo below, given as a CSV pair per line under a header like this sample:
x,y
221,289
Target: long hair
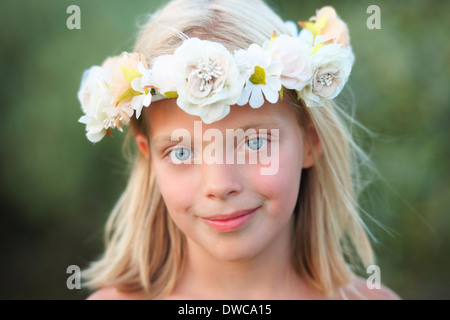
x,y
144,248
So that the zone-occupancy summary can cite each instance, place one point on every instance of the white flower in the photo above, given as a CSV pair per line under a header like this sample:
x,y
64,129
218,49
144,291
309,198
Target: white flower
x,y
262,74
292,27
94,96
96,102
94,90
143,100
94,127
119,116
294,55
207,79
161,77
99,121
308,37
331,65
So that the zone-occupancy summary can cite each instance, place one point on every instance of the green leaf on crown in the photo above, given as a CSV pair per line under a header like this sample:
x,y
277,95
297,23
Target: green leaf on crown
x,y
130,74
130,93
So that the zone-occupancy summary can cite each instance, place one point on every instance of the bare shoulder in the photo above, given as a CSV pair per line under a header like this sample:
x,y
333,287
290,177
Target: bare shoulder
x,y
112,293
359,290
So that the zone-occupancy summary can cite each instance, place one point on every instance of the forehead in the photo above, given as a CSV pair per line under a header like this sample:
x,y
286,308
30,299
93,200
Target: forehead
x,y
165,116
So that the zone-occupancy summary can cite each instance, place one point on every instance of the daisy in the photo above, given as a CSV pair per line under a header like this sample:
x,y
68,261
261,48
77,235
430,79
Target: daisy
x,y
263,76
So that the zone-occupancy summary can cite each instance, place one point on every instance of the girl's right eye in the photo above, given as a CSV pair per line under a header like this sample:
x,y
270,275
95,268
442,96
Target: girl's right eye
x,y
179,155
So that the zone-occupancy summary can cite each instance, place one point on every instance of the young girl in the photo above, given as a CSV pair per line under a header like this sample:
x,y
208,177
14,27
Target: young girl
x,y
243,185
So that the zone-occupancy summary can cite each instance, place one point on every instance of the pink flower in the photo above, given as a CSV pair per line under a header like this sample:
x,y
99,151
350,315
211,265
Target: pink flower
x,y
118,83
293,54
334,27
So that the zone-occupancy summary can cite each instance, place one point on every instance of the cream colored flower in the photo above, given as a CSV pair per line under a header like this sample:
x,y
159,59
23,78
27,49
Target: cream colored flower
x,y
103,95
331,66
207,79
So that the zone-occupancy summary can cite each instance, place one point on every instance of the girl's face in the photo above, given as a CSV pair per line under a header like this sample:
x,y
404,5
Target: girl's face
x,y
228,210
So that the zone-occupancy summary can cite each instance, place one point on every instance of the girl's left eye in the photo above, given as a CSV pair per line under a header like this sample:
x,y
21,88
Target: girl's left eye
x,y
178,155
256,143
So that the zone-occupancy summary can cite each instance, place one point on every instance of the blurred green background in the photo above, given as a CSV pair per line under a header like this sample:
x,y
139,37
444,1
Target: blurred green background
x,y
57,188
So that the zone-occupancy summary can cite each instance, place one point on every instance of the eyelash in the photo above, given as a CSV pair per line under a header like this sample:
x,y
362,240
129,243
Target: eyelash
x,y
265,138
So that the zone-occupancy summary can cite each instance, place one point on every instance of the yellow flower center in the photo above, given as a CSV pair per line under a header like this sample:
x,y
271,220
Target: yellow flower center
x,y
259,76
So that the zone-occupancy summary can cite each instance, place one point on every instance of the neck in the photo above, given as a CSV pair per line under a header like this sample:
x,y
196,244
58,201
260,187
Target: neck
x,y
267,275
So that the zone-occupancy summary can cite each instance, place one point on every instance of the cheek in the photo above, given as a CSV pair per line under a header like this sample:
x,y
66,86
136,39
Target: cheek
x,y
282,188
177,188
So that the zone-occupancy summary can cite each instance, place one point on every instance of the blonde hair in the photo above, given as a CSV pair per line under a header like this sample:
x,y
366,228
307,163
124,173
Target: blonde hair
x,y
144,248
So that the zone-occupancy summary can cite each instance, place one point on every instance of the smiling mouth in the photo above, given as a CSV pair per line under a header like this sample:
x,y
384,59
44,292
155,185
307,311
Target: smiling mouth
x,y
230,222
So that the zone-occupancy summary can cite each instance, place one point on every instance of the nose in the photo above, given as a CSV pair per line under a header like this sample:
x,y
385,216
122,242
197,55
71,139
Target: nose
x,y
221,181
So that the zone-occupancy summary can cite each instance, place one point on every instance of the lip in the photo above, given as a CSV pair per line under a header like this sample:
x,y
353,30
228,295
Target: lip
x,y
230,222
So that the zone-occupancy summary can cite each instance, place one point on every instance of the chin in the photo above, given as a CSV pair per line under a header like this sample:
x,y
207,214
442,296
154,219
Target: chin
x,y
234,252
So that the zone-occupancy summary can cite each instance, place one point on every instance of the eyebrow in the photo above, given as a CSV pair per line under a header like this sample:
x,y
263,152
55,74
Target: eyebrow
x,y
163,138
270,124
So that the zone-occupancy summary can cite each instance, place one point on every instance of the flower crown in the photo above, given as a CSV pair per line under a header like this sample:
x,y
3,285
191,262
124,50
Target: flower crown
x,y
207,79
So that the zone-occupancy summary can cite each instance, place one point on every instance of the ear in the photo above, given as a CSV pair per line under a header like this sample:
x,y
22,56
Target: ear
x,y
312,147
142,143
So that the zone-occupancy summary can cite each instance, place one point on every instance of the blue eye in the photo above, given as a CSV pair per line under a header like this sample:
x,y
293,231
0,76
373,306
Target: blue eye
x,y
180,154
256,143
